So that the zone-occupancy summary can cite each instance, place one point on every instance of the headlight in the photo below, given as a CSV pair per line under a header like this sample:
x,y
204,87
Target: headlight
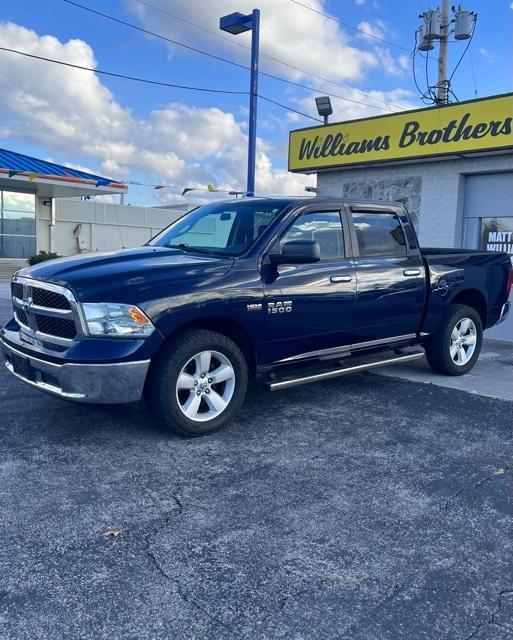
x,y
116,320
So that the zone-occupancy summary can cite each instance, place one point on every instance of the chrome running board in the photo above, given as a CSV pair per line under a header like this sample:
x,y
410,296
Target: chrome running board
x,y
277,385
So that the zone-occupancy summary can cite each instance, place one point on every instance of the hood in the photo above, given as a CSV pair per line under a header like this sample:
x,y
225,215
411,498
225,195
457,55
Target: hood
x,y
116,276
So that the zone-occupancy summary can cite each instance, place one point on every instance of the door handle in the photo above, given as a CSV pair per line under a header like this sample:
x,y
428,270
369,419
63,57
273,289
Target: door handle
x,y
336,279
412,272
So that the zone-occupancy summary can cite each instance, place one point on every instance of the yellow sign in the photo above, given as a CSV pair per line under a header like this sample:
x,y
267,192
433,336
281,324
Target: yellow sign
x,y
476,125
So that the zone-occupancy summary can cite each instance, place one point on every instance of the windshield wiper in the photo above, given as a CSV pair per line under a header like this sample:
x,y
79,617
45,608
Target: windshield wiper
x,y
185,247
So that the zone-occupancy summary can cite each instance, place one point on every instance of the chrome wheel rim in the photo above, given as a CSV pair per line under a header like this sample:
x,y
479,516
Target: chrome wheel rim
x,y
463,341
205,386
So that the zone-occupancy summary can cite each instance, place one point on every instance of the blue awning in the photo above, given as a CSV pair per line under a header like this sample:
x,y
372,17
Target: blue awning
x,y
19,171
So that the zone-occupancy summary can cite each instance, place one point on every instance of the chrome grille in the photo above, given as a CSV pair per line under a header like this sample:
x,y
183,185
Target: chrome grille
x,y
60,327
45,311
17,290
21,316
51,299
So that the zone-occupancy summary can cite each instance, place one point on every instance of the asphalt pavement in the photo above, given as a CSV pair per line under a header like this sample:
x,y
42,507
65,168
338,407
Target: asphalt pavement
x,y
368,507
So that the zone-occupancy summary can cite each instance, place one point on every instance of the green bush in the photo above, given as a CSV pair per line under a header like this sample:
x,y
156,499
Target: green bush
x,y
42,256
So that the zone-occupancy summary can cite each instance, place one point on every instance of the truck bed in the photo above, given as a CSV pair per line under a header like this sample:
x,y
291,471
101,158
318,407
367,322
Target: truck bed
x,y
482,274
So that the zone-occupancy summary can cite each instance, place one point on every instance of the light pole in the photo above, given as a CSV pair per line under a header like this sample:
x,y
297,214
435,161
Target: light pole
x,y
236,23
324,107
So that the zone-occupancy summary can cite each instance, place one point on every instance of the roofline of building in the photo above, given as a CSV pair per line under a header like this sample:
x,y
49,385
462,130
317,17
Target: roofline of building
x,y
118,186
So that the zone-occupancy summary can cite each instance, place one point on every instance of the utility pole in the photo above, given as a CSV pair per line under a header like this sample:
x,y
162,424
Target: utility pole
x,y
442,92
436,28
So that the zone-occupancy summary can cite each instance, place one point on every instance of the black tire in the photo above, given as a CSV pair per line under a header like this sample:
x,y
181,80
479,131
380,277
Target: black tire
x,y
438,346
161,386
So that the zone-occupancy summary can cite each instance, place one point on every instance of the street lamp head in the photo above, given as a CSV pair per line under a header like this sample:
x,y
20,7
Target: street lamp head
x,y
324,107
235,23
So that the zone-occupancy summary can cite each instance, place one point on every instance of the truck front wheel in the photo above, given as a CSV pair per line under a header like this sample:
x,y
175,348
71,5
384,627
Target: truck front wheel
x,y
198,382
454,348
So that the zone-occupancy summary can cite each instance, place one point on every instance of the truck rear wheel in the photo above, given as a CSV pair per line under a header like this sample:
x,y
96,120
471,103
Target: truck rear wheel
x,y
454,348
198,382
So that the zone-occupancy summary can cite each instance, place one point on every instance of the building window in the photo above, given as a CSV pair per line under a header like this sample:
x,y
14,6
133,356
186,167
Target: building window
x,y
17,224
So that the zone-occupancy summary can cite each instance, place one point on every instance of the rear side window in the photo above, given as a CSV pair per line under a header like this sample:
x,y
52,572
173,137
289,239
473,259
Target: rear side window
x,y
379,234
325,227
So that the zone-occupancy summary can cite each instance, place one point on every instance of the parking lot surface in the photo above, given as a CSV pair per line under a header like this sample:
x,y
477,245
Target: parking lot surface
x,y
366,507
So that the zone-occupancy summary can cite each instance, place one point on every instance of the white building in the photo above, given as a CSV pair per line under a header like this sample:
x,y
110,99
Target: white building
x,y
41,210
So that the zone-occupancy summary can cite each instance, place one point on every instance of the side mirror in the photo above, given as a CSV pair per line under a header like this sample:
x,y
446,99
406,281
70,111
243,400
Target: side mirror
x,y
297,252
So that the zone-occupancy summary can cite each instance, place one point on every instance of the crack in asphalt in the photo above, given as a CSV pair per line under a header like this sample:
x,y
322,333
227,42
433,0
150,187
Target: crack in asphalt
x,y
152,535
491,621
401,587
499,607
507,469
176,581
395,588
356,580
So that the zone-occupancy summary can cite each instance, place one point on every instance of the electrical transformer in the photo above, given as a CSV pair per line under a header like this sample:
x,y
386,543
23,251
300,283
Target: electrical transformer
x,y
424,45
463,24
431,29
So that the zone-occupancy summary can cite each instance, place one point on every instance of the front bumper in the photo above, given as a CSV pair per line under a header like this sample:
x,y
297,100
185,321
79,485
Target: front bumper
x,y
110,383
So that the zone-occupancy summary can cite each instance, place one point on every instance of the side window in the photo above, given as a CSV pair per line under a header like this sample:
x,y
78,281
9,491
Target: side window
x,y
261,221
379,234
325,227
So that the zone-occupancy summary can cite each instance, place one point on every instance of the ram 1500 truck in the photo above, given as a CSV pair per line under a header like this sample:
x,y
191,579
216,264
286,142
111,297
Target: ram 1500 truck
x,y
283,290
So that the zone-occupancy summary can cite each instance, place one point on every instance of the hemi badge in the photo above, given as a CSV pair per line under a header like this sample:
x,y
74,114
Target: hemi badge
x,y
254,307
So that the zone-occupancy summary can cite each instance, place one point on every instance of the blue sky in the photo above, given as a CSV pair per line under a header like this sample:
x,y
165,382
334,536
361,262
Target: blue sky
x,y
160,135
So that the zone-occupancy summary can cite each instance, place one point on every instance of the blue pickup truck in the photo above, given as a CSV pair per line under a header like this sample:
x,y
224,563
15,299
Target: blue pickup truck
x,y
286,291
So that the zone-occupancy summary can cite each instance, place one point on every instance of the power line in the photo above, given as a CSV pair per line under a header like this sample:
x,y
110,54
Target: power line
x,y
219,58
289,108
156,35
413,53
469,41
427,71
473,74
350,26
153,82
266,55
123,76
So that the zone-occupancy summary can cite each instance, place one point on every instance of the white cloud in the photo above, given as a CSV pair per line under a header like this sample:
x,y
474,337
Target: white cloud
x,y
71,113
288,32
372,30
486,55
393,66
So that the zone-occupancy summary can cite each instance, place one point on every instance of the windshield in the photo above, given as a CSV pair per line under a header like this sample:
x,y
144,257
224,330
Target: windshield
x,y
228,229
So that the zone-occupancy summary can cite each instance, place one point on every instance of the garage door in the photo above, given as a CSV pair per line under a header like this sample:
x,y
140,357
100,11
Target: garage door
x,y
488,224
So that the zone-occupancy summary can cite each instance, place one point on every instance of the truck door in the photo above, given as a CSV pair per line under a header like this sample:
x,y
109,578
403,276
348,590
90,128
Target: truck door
x,y
391,283
310,307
